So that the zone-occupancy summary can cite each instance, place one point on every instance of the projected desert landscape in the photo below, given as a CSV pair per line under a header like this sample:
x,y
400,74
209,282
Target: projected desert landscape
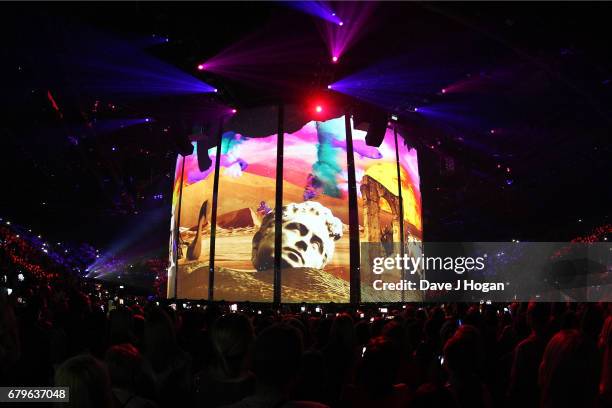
x,y
235,277
315,201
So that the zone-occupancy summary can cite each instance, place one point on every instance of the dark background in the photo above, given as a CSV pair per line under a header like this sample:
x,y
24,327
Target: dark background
x,y
543,77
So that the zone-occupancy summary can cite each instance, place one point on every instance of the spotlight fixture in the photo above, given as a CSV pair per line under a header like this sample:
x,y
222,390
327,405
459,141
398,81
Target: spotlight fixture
x,y
329,86
201,67
443,90
334,59
234,111
215,90
319,109
340,23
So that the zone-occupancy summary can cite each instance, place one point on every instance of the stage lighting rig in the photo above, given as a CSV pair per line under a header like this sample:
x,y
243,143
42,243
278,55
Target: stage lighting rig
x,y
206,140
376,130
372,120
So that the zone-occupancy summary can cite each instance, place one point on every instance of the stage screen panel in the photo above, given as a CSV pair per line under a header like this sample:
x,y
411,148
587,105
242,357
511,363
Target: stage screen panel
x,y
412,210
247,191
380,208
315,259
193,249
173,244
411,192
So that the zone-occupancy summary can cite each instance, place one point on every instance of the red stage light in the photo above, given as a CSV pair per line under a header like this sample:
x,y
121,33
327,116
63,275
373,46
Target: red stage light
x,y
318,109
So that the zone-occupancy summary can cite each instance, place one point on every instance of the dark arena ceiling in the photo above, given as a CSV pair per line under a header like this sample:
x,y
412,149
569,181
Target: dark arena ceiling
x,y
517,146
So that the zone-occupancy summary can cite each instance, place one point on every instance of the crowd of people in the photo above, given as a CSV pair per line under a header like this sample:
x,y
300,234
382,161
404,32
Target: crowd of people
x,y
138,352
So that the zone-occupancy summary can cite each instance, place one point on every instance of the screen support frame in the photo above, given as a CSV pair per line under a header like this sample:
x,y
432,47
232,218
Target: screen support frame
x,y
354,250
278,205
213,215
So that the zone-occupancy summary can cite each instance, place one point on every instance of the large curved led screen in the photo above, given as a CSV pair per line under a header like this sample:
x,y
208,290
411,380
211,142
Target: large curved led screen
x,y
315,254
247,180
190,242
